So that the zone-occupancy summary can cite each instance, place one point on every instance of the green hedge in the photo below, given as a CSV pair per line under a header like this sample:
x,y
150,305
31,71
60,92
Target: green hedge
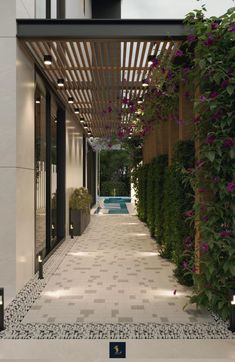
x,y
163,198
114,188
178,233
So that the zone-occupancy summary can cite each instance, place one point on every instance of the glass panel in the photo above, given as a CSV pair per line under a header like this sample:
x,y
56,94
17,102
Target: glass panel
x,y
40,167
40,6
53,172
53,9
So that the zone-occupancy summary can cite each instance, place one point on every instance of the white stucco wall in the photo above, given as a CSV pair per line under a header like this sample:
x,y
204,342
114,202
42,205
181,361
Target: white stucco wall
x,y
75,9
16,157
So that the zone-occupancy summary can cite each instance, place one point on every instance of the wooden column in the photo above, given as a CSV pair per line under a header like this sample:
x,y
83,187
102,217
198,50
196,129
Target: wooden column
x,y
173,137
186,115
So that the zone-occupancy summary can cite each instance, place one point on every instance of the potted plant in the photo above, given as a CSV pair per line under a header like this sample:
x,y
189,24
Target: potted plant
x,y
79,203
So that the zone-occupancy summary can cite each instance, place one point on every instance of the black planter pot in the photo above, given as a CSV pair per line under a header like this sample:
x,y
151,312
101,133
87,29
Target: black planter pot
x,y
79,219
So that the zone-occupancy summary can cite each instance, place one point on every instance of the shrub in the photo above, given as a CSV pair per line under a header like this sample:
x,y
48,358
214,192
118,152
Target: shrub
x,y
80,199
114,188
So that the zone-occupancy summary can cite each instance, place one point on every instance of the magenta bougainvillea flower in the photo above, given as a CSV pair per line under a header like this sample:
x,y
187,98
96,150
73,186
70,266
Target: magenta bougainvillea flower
x,y
225,234
225,83
230,186
191,38
201,190
189,213
228,143
214,25
196,119
214,94
204,247
216,179
185,264
110,109
211,139
200,163
202,99
179,53
232,28
110,145
209,41
205,218
194,269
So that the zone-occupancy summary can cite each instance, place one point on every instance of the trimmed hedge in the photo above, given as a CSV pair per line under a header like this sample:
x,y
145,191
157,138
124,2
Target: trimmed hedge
x,y
114,188
163,198
178,233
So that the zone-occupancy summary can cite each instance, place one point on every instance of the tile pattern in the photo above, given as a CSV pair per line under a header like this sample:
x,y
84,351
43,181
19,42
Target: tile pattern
x,y
108,283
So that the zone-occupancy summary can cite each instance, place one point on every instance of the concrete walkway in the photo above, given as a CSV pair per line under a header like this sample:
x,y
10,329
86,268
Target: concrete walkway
x,y
113,273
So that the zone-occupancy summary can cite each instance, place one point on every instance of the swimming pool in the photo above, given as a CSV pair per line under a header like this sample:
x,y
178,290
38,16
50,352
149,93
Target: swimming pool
x,y
113,205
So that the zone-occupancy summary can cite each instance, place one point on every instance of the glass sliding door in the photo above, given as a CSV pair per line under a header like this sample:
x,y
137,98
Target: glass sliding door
x,y
53,172
40,171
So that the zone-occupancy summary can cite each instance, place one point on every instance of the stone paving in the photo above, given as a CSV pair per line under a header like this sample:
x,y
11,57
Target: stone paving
x,y
114,274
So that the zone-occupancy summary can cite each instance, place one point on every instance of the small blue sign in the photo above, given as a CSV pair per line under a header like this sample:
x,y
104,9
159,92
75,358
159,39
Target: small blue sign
x,y
117,349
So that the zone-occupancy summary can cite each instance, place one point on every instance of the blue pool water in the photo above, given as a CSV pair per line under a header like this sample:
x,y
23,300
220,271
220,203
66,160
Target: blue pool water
x,y
114,205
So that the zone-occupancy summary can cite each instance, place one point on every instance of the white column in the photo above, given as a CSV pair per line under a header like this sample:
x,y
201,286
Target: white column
x,y
16,157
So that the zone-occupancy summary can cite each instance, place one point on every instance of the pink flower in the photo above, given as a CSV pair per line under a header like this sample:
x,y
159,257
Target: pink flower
x,y
232,28
204,247
205,218
194,269
209,41
228,143
200,163
210,139
179,53
185,264
216,179
225,83
110,109
214,94
225,234
196,119
214,25
202,99
191,38
201,190
189,213
230,186
110,145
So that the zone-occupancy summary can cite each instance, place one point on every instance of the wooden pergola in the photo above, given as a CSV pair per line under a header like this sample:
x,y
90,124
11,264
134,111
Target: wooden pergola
x,y
100,61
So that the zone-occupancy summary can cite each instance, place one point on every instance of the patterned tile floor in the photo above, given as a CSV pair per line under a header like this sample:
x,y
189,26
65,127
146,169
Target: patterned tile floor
x,y
113,274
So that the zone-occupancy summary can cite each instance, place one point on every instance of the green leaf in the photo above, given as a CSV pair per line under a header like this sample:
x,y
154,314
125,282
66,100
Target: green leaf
x,y
211,155
232,153
230,89
232,269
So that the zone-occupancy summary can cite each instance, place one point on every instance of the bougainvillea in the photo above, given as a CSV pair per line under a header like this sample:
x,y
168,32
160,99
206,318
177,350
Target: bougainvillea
x,y
212,72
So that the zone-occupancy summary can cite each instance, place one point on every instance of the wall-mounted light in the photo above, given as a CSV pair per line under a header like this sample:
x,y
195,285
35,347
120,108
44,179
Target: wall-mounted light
x,y
60,82
145,82
70,100
47,59
232,311
38,100
40,267
53,230
140,100
82,120
1,309
76,111
71,230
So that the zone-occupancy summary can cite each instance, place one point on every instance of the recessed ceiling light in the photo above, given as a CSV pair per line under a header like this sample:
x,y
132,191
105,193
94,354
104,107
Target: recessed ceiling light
x,y
47,59
85,126
70,100
82,120
76,111
145,82
140,100
60,82
151,60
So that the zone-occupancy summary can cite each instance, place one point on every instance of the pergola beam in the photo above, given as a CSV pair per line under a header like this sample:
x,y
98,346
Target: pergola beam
x,y
101,29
